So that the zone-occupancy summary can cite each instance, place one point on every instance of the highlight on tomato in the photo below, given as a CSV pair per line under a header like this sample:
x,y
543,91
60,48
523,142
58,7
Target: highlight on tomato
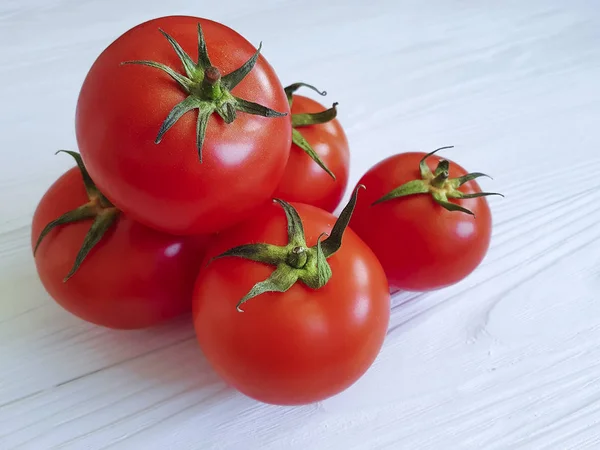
x,y
425,218
315,304
105,268
319,163
184,125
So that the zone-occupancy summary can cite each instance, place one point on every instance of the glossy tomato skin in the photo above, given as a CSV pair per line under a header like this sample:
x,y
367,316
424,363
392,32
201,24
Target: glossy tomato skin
x,y
164,186
134,277
421,245
300,346
304,181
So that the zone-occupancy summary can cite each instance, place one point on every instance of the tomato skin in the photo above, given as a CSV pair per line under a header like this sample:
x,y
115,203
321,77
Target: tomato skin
x,y
421,245
164,186
134,277
300,346
304,181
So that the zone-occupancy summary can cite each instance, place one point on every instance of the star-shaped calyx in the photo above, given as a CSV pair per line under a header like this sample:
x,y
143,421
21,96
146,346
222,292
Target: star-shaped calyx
x,y
438,185
98,208
208,90
307,119
295,261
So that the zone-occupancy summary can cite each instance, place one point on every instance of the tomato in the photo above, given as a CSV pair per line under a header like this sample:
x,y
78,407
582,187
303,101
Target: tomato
x,y
221,147
134,277
304,180
421,244
301,345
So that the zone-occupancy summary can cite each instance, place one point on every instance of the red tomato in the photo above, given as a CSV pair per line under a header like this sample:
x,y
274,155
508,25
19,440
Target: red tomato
x,y
302,345
134,277
165,186
304,181
421,245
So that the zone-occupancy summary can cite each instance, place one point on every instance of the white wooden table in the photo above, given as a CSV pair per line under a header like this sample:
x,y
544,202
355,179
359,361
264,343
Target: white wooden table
x,y
507,359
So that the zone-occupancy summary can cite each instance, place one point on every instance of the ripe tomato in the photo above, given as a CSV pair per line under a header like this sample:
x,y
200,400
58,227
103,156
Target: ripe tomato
x,y
218,154
304,181
134,277
422,245
298,346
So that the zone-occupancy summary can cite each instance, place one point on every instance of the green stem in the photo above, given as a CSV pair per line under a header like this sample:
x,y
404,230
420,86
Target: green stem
x,y
307,119
438,185
102,222
209,92
299,140
297,257
289,90
440,179
98,209
211,84
83,212
295,261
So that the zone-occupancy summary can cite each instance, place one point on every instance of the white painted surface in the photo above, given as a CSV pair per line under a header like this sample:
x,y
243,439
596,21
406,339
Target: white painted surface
x,y
507,359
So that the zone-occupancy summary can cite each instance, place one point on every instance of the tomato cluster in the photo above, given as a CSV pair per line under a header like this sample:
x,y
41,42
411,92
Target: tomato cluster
x,y
203,185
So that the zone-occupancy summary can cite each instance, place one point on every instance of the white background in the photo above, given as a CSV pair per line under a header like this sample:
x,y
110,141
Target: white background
x,y
507,359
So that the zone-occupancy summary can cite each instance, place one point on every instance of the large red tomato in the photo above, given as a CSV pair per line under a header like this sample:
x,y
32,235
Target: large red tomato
x,y
306,343
134,277
304,180
429,233
221,146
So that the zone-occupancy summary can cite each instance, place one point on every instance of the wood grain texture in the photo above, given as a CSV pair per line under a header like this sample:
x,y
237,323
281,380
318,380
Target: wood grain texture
x,y
507,359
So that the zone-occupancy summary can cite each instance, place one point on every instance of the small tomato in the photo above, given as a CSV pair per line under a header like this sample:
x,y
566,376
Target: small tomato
x,y
319,164
102,266
429,228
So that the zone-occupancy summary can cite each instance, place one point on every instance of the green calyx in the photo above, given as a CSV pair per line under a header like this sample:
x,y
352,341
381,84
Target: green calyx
x,y
306,119
208,91
438,185
295,261
99,209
